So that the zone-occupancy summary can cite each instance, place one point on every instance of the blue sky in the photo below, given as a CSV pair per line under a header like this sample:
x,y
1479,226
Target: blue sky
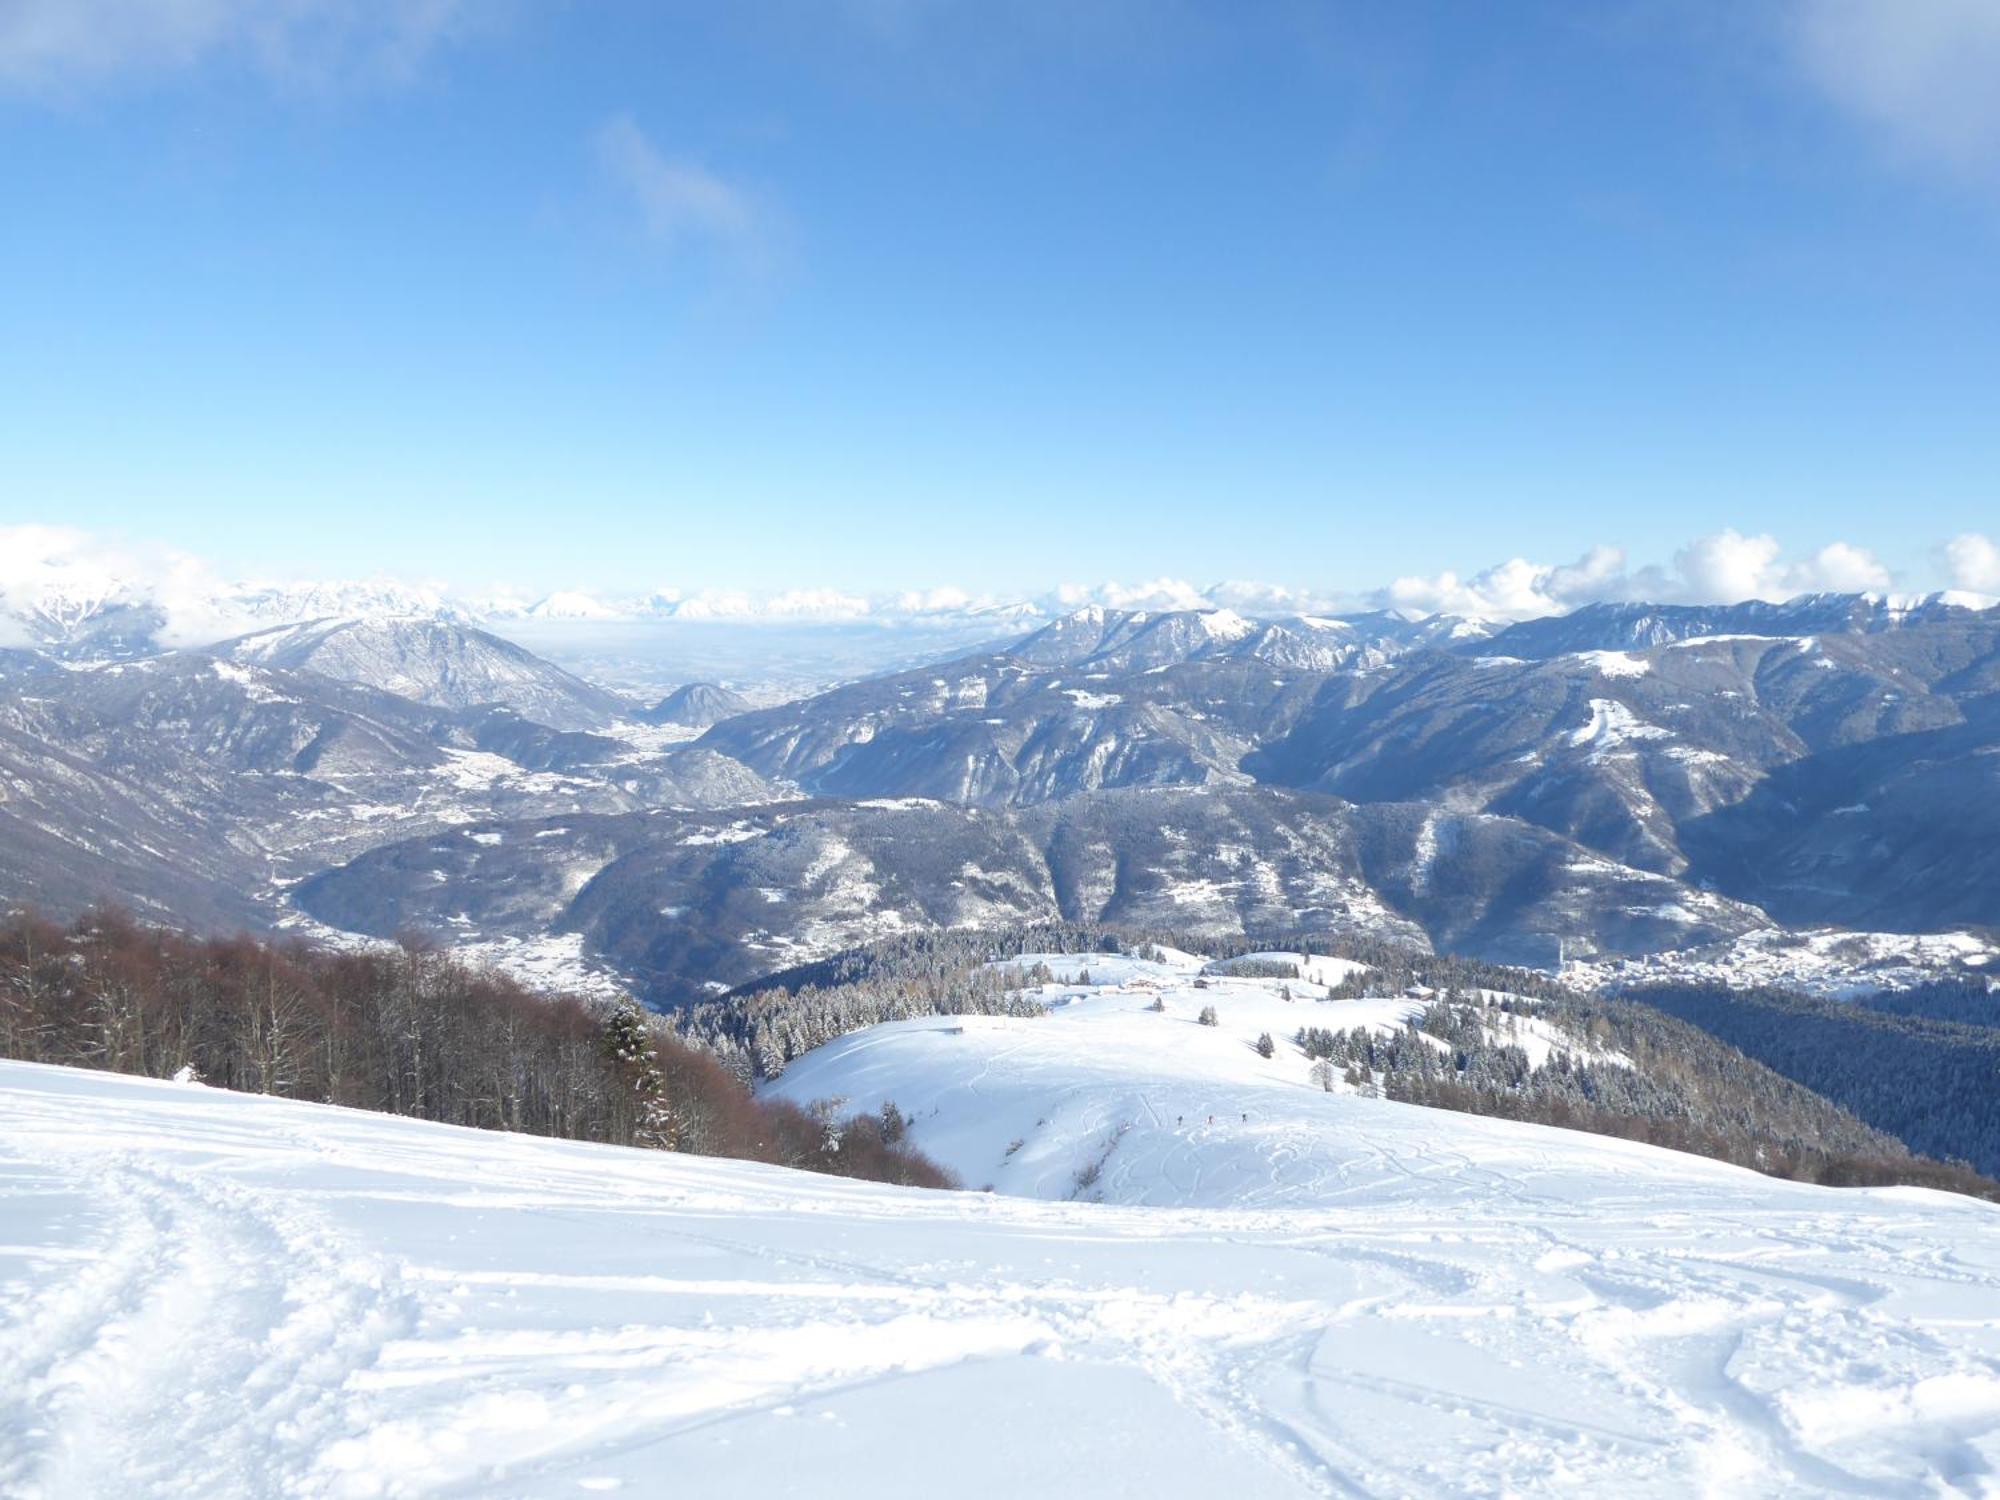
x,y
894,293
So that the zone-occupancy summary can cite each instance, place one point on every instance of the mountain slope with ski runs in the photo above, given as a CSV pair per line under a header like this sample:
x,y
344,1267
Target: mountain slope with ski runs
x,y
1201,1272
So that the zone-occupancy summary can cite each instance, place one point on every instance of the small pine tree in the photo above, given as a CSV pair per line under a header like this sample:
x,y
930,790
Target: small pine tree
x,y
1207,1016
1084,977
628,1041
1159,1004
830,1116
1265,1046
894,1123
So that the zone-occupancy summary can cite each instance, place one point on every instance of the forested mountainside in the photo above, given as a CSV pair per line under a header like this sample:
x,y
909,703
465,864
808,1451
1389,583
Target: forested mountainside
x,y
1923,1066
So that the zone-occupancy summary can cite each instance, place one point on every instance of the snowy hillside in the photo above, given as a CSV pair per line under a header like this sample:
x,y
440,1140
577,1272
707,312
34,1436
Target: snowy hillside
x,y
432,661
1121,1093
1109,1100
208,1294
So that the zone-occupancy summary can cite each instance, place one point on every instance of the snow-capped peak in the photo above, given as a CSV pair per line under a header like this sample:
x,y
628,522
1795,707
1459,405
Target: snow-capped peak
x,y
1225,624
570,604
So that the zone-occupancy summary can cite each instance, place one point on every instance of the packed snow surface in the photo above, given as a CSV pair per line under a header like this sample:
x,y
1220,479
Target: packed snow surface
x,y
210,1294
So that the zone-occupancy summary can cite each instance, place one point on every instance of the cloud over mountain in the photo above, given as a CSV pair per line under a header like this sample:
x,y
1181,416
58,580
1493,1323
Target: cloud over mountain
x,y
1725,567
53,579
1974,562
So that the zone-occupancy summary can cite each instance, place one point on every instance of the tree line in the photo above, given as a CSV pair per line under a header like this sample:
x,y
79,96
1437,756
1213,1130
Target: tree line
x,y
759,1028
1632,1073
408,1031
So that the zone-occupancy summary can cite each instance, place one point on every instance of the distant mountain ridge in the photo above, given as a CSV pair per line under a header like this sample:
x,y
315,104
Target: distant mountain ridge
x,y
433,661
697,705
1620,781
1657,736
1637,626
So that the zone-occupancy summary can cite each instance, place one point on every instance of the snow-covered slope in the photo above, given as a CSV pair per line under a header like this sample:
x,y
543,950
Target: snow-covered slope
x,y
1109,1100
432,661
206,1294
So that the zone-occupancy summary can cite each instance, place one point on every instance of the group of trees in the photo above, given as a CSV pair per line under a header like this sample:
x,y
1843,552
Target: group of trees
x,y
761,1027
1631,1073
759,1033
408,1031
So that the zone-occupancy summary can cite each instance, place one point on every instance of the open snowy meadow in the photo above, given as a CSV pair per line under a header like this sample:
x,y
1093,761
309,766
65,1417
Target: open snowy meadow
x,y
1200,1273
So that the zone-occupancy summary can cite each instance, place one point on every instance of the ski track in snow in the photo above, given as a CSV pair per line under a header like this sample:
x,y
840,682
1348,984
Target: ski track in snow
x,y
206,1294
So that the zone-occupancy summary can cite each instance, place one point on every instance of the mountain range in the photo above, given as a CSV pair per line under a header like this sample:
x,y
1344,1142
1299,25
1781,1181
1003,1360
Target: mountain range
x,y
1623,780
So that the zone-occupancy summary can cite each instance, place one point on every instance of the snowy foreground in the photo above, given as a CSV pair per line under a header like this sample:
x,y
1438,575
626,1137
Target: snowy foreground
x,y
206,1294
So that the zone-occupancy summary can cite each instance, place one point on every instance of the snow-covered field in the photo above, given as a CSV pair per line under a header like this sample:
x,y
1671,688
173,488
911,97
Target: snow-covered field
x,y
206,1294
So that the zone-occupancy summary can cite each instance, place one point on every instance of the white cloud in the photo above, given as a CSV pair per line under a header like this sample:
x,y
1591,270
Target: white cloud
x,y
59,575
816,604
1598,574
1926,72
53,574
1727,567
59,43
1722,568
792,604
1251,597
1160,593
1514,590
1972,562
680,203
1841,568
938,601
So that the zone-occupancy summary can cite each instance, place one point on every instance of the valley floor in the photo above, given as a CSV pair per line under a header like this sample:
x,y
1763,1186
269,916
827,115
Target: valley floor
x,y
207,1294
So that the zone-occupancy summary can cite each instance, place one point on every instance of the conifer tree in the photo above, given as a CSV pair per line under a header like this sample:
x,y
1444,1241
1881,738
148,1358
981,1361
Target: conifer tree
x,y
628,1042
